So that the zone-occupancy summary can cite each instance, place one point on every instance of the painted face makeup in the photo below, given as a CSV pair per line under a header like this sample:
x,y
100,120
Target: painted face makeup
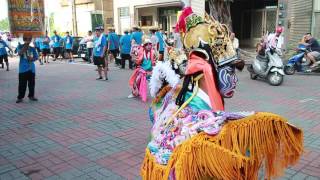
x,y
227,81
148,46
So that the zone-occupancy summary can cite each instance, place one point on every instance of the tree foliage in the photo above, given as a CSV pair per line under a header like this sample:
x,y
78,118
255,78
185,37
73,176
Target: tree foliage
x,y
4,24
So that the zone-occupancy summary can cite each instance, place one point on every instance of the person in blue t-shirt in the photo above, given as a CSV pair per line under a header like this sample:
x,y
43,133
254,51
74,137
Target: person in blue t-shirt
x,y
100,47
136,36
113,45
27,69
45,48
56,44
161,42
68,45
37,44
4,53
125,48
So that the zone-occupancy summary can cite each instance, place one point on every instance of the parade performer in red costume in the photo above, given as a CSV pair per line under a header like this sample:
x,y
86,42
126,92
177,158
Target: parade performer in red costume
x,y
145,61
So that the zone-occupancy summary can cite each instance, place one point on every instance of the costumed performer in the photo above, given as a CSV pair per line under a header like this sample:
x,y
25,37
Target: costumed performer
x,y
145,61
193,137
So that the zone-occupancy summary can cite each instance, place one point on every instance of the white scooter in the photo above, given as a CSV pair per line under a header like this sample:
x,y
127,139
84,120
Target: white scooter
x,y
268,67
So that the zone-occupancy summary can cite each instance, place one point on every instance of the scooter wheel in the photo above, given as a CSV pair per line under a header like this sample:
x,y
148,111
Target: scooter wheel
x,y
289,70
275,79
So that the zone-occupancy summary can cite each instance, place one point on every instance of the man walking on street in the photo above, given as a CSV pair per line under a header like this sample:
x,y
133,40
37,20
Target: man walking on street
x,y
3,53
56,44
45,48
125,48
100,47
89,42
113,45
27,69
68,44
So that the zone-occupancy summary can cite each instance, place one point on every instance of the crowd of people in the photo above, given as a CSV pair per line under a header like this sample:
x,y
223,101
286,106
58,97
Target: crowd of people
x,y
106,46
44,43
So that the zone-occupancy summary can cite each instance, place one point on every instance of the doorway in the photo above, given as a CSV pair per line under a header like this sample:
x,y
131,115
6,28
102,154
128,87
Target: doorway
x,y
168,17
252,19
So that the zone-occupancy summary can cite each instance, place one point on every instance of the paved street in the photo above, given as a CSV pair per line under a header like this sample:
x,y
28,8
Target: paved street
x,y
87,129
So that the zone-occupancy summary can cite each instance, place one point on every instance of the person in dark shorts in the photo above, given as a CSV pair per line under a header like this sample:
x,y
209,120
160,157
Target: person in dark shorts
x,y
68,44
100,47
45,48
4,53
56,44
125,48
161,44
113,45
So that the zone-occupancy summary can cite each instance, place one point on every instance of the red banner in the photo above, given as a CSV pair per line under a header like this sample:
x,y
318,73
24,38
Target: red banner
x,y
26,17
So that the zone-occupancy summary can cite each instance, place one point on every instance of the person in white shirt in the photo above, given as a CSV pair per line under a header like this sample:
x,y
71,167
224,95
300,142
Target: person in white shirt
x,y
154,39
90,44
275,40
235,42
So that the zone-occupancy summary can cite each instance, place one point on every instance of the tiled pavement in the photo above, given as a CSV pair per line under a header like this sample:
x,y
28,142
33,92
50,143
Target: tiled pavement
x,y
87,129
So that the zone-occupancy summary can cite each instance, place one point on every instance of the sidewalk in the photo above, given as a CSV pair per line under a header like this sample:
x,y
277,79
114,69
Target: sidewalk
x,y
87,129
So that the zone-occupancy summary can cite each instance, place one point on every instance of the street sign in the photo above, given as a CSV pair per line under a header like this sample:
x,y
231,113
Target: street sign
x,y
26,17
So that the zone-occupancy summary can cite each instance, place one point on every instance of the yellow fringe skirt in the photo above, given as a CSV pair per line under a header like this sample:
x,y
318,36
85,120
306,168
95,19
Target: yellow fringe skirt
x,y
237,152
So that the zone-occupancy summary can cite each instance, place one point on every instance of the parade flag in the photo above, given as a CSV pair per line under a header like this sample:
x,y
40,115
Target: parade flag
x,y
26,17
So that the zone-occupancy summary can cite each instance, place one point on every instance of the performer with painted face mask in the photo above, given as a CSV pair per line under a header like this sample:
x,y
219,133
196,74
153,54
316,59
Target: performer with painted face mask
x,y
145,61
193,137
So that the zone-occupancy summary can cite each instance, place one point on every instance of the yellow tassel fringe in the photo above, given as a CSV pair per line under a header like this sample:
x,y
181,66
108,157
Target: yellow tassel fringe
x,y
237,152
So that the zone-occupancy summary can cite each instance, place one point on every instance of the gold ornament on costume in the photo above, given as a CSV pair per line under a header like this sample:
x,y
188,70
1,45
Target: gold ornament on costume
x,y
212,32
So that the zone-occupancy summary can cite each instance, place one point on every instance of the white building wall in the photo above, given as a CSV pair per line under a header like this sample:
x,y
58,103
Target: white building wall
x,y
64,17
132,4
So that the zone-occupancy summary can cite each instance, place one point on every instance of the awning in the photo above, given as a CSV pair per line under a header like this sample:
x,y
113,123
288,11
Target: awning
x,y
160,4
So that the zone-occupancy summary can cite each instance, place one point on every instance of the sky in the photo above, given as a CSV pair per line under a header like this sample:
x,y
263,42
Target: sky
x,y
51,6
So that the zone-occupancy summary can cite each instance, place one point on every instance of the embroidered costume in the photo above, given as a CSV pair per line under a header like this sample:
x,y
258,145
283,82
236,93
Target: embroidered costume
x,y
193,137
144,62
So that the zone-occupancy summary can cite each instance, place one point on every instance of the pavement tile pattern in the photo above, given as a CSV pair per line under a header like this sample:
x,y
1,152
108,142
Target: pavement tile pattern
x,y
87,129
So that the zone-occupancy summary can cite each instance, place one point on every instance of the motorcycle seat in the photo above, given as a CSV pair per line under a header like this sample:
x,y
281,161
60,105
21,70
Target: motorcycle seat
x,y
262,58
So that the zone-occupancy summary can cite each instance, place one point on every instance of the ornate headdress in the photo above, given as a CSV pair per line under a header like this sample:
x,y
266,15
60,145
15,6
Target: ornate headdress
x,y
197,31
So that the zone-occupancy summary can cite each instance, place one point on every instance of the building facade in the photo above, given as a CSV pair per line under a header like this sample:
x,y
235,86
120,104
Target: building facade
x,y
150,13
301,16
145,13
90,13
252,19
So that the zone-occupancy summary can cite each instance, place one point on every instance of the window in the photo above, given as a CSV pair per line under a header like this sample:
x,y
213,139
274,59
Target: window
x,y
124,11
146,20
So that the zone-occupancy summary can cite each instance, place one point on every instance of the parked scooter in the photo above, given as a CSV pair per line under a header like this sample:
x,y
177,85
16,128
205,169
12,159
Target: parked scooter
x,y
269,67
299,63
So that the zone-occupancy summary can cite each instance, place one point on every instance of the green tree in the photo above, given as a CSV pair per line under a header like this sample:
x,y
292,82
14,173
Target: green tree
x,y
4,24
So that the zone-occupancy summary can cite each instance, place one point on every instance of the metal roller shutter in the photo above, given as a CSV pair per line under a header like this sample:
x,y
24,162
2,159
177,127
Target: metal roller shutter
x,y
300,18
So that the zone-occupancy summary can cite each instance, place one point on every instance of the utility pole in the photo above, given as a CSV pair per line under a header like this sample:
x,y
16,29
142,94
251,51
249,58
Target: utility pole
x,y
74,18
